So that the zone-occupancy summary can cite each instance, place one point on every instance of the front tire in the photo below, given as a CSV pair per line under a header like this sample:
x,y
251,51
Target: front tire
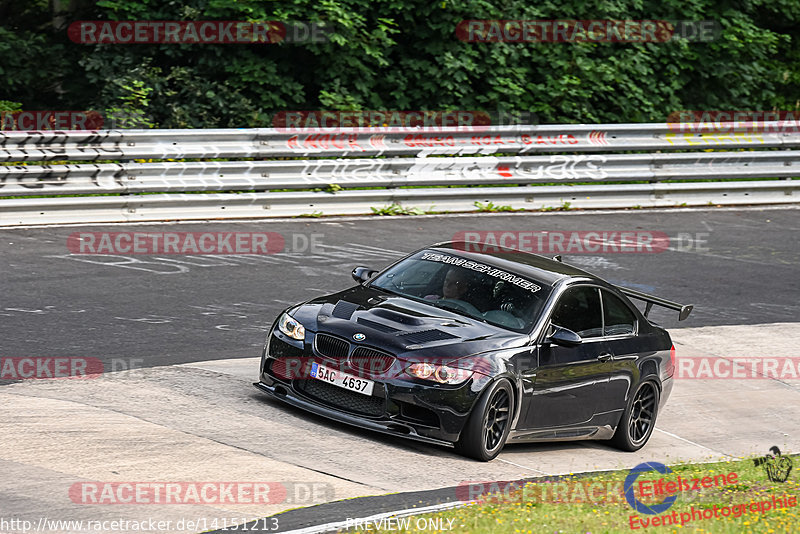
x,y
639,418
487,428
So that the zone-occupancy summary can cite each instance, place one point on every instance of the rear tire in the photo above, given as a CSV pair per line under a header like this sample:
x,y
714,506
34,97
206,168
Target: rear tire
x,y
487,428
639,418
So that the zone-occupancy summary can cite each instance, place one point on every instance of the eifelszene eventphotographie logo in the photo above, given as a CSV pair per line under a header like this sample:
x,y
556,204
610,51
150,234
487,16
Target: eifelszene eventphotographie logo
x,y
630,483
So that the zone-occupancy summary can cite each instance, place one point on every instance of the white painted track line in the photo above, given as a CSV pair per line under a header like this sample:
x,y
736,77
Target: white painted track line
x,y
204,422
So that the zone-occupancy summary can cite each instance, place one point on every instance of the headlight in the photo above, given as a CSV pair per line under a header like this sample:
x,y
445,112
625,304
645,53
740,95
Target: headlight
x,y
444,374
291,327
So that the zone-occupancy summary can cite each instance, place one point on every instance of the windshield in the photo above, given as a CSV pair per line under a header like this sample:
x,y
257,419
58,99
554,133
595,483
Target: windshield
x,y
467,287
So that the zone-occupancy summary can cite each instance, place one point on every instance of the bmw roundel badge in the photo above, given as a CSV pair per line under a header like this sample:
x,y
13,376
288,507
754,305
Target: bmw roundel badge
x,y
358,336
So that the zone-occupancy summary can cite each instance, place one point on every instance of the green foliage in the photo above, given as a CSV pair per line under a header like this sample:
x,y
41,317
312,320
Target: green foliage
x,y
330,188
132,108
397,209
5,105
565,206
491,207
387,54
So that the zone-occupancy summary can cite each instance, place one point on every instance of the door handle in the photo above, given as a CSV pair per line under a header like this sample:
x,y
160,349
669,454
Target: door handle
x,y
605,357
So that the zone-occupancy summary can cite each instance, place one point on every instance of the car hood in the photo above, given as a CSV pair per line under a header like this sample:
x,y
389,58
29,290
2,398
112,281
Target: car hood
x,y
409,329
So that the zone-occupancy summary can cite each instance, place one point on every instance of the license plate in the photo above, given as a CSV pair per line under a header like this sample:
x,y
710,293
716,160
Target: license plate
x,y
343,380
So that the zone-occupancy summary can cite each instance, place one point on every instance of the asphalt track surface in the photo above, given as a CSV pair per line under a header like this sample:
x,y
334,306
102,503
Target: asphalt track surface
x,y
203,421
175,309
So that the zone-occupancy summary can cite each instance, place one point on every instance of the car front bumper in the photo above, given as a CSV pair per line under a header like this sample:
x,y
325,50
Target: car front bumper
x,y
280,392
399,405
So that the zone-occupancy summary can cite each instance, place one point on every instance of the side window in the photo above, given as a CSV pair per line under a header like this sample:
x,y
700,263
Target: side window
x,y
579,310
618,318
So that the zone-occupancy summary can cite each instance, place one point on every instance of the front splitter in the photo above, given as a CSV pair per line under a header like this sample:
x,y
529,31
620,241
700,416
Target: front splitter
x,y
407,432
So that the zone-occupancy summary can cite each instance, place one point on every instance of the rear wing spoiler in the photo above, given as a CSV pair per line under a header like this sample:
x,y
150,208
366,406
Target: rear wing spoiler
x,y
683,310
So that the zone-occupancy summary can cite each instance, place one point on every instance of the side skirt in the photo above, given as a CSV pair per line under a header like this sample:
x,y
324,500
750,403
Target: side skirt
x,y
564,434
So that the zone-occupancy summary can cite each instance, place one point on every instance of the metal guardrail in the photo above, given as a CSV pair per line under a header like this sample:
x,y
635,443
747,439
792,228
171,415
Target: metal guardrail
x,y
394,172
270,143
510,156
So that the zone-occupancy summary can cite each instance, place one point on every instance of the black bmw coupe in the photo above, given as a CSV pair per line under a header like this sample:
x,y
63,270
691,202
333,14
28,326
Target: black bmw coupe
x,y
473,350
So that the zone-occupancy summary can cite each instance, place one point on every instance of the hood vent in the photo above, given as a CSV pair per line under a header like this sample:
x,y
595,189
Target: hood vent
x,y
397,317
344,309
426,336
380,327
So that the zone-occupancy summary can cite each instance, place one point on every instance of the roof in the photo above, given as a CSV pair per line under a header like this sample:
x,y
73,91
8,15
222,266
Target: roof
x,y
527,264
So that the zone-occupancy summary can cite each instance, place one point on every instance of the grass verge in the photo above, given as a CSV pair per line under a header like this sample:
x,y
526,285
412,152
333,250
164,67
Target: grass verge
x,y
738,495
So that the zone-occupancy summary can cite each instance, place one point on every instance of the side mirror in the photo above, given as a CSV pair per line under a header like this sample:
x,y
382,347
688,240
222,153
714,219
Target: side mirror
x,y
565,337
362,274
